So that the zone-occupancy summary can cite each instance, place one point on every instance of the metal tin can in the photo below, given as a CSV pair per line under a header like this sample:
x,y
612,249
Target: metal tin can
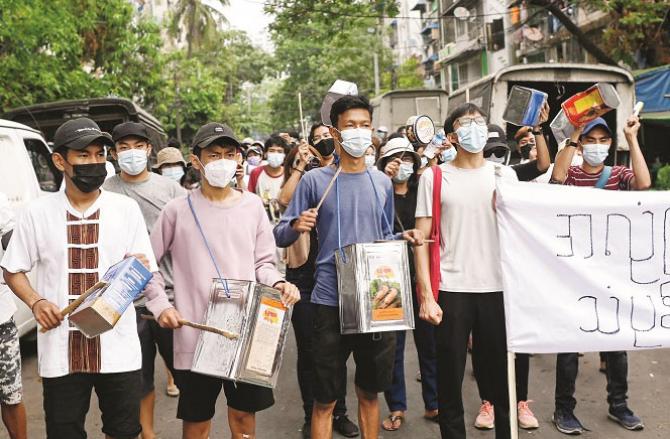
x,y
255,312
524,106
590,104
374,288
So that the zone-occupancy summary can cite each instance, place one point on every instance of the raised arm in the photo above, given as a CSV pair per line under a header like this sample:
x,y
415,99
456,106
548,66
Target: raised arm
x,y
543,158
564,157
642,179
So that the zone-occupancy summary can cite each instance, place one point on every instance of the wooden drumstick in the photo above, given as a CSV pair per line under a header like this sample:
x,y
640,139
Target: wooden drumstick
x,y
78,301
213,329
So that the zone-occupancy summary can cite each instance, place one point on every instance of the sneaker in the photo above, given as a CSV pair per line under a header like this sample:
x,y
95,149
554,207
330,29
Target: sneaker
x,y
527,419
344,426
485,419
566,422
307,430
625,416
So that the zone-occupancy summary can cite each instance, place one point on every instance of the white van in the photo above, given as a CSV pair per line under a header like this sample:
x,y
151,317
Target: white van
x,y
26,171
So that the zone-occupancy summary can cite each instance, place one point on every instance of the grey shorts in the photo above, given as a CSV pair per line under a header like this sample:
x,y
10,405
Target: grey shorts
x,y
10,364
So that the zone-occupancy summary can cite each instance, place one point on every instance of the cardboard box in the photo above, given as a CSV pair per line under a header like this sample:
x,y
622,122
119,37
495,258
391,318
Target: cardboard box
x,y
374,287
118,288
255,312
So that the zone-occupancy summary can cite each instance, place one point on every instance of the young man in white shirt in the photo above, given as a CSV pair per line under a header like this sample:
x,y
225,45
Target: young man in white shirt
x,y
470,287
70,239
132,147
266,181
11,391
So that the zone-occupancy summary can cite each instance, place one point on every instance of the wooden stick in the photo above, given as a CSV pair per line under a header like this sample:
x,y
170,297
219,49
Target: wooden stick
x,y
213,329
328,188
78,301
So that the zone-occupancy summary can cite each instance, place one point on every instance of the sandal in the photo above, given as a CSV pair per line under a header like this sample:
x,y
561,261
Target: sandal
x,y
434,418
393,418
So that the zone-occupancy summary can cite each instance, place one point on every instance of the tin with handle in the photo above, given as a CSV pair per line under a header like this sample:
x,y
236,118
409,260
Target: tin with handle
x,y
590,104
374,287
255,312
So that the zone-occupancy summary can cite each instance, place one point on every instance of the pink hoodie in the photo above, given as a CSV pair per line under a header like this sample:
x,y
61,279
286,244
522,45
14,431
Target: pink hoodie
x,y
241,240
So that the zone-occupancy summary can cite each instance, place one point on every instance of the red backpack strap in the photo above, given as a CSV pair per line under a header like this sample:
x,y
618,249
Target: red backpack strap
x,y
435,236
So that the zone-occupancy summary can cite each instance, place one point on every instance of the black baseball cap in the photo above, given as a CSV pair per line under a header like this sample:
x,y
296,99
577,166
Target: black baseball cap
x,y
496,138
78,133
127,129
211,132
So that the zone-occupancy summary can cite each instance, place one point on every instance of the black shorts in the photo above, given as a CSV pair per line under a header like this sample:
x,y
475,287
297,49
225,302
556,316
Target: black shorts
x,y
198,394
153,338
374,355
67,400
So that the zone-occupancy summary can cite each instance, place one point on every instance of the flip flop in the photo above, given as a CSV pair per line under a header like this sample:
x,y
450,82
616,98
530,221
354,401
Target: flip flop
x,y
394,419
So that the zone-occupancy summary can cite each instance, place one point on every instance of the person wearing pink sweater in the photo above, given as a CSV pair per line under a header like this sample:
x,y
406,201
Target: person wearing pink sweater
x,y
239,236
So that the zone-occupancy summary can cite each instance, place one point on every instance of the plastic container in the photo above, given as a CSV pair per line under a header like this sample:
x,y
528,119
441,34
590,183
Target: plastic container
x,y
434,145
374,288
524,106
585,106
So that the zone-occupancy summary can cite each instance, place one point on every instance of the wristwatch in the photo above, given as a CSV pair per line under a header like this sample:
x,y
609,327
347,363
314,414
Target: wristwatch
x,y
572,143
537,131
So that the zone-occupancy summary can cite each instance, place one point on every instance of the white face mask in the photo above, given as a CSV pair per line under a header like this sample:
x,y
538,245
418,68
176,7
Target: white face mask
x,y
356,141
276,159
254,161
424,161
405,171
448,155
595,154
369,161
132,161
174,172
220,173
472,138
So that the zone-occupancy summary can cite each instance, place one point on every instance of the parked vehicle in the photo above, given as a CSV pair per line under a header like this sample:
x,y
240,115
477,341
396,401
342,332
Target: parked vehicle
x,y
106,112
559,81
392,109
27,172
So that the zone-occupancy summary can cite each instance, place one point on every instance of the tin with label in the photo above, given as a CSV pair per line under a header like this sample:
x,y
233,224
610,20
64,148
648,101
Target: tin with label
x,y
590,104
524,106
256,313
374,288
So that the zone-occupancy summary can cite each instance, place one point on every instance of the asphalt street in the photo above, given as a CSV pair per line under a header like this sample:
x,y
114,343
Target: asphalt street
x,y
649,378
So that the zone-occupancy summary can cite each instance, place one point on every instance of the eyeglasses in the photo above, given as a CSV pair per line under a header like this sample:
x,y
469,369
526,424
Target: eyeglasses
x,y
498,152
466,121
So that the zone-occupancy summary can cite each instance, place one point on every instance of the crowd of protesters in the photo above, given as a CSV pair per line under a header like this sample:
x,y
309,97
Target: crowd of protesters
x,y
227,208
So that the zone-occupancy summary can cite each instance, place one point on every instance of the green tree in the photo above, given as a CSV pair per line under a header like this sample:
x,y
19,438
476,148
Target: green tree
x,y
317,43
198,22
58,49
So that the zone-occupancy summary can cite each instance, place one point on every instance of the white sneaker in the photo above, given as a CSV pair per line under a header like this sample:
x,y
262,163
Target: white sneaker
x,y
485,419
527,419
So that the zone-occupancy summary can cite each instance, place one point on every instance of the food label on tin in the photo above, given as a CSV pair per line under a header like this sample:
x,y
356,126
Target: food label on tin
x,y
267,332
385,286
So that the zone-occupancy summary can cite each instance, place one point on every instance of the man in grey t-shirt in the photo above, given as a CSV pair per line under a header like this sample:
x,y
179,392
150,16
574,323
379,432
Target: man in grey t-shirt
x,y
152,192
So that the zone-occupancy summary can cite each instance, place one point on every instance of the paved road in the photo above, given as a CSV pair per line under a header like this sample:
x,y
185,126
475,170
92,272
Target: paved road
x,y
649,383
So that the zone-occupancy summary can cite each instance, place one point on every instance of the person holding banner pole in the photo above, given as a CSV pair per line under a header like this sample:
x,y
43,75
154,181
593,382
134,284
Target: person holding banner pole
x,y
594,140
466,297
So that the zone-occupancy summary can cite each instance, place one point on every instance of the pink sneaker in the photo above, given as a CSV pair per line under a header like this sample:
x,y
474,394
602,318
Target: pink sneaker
x,y
485,419
527,419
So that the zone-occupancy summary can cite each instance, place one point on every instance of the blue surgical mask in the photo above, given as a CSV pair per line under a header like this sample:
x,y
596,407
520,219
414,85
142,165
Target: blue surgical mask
x,y
254,160
424,162
448,154
405,171
174,172
595,154
356,141
473,137
369,161
276,159
132,161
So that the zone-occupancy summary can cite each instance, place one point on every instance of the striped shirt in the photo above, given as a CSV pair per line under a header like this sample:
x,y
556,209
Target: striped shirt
x,y
620,179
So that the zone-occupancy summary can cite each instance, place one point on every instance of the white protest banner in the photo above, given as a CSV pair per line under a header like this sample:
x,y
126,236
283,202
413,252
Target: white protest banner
x,y
584,269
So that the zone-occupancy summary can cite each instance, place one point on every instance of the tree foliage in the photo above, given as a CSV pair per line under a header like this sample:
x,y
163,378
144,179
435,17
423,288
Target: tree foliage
x,y
197,22
57,49
319,42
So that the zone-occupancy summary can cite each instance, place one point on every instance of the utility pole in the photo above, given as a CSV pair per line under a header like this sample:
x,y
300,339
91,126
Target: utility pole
x,y
376,61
